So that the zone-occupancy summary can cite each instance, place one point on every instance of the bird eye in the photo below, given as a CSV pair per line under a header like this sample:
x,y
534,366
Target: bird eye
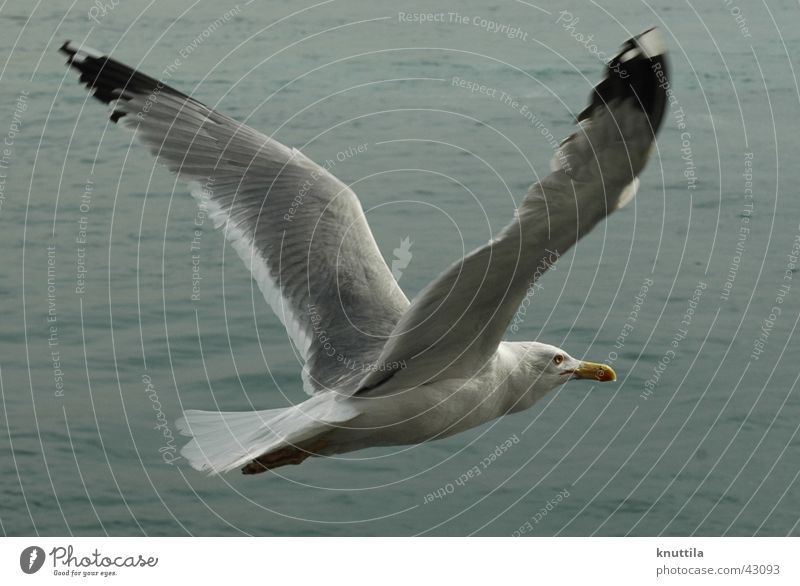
x,y
558,359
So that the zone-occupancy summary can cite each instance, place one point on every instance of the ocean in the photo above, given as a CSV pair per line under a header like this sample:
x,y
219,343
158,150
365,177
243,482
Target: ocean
x,y
440,117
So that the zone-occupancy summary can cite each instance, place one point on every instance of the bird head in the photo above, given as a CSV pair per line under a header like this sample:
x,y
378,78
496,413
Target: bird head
x,y
553,366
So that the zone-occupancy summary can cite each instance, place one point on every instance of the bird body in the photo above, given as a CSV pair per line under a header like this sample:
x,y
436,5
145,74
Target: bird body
x,y
517,375
382,370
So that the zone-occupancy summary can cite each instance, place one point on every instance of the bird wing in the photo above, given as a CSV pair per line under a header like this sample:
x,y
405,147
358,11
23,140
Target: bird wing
x,y
300,231
456,323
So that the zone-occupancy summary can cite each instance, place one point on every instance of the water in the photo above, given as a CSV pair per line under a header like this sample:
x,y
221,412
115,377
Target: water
x,y
707,444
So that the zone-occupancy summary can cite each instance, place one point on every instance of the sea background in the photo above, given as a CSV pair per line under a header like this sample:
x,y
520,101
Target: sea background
x,y
708,446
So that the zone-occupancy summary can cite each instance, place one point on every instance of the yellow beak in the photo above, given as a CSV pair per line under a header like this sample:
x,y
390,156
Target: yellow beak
x,y
598,372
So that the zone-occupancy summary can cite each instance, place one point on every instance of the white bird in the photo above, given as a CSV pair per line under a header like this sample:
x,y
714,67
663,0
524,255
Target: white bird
x,y
382,371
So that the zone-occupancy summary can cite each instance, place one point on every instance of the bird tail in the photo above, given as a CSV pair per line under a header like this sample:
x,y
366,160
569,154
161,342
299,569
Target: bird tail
x,y
223,441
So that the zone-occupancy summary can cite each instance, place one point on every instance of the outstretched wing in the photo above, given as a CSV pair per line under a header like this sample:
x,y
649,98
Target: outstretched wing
x,y
300,231
457,322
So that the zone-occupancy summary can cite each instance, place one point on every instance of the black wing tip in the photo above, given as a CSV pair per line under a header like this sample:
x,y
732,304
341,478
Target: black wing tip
x,y
81,52
646,48
651,42
67,49
639,72
109,79
99,73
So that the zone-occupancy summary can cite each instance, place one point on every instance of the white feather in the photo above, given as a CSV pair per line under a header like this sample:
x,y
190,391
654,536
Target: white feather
x,y
628,193
225,441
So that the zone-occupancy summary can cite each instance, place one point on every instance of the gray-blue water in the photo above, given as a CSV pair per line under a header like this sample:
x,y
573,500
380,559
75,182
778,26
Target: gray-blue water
x,y
706,443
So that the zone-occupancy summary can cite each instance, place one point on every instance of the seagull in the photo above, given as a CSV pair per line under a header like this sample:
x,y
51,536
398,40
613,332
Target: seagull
x,y
382,370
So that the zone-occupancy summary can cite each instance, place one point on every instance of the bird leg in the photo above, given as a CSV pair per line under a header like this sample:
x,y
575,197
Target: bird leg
x,y
282,457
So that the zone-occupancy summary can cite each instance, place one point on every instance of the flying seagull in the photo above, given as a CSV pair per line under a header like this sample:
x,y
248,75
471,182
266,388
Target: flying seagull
x,y
383,371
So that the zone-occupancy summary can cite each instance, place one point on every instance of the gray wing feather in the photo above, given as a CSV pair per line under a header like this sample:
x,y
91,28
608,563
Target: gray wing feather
x,y
457,322
300,231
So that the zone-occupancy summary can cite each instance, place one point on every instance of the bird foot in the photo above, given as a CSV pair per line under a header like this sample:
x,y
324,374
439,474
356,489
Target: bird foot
x,y
283,457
